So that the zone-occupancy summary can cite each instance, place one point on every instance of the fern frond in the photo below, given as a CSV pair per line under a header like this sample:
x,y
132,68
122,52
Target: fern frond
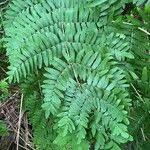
x,y
74,108
80,52
41,134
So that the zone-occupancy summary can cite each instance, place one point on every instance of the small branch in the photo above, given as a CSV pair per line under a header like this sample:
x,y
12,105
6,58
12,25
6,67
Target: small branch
x,y
5,103
4,2
137,92
141,29
145,31
26,131
3,69
143,134
19,122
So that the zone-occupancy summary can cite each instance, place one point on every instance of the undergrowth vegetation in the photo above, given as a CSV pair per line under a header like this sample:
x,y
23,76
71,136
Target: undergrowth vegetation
x,y
84,70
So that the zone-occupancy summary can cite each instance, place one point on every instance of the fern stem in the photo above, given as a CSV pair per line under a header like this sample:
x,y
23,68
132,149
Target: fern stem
x,y
75,74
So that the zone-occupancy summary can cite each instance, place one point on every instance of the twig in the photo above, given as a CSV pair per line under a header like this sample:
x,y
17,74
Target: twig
x,y
14,129
26,130
143,134
141,29
3,69
9,99
145,31
29,145
23,147
3,2
137,92
19,122
10,124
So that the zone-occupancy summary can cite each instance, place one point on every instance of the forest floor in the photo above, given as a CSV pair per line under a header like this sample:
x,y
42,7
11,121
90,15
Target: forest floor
x,y
12,114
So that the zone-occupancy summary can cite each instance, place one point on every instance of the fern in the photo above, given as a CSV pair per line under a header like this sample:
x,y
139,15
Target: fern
x,y
81,53
3,129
